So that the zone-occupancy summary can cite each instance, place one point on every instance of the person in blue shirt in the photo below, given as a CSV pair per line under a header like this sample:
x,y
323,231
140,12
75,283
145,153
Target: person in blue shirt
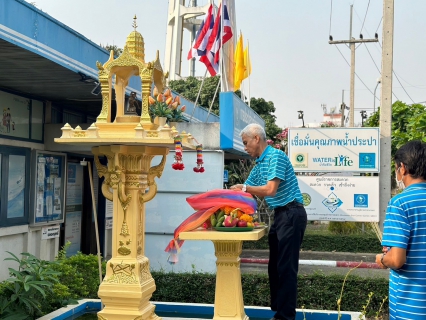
x,y
273,178
404,235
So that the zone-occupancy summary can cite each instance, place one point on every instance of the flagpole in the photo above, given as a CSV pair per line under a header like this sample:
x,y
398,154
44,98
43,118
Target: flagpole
x,y
221,66
198,95
211,104
249,71
242,87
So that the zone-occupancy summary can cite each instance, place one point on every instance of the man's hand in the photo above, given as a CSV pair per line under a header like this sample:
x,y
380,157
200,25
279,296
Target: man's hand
x,y
379,261
236,187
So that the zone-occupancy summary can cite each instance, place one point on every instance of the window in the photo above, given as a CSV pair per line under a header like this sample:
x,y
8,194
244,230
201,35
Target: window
x,y
14,185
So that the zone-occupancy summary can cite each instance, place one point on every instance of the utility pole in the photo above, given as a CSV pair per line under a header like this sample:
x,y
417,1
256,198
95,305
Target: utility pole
x,y
351,43
386,109
342,110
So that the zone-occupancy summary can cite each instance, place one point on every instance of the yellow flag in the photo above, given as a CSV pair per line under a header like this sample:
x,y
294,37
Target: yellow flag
x,y
247,63
240,68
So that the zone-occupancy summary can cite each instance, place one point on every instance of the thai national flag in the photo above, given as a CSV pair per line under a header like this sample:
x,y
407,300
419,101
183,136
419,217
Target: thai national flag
x,y
211,58
201,40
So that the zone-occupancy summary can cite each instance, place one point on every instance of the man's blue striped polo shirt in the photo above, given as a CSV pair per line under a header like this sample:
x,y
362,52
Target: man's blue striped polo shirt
x,y
405,227
274,163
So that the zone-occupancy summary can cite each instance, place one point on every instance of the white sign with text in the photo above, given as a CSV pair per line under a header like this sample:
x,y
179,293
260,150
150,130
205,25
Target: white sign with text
x,y
340,198
334,149
50,232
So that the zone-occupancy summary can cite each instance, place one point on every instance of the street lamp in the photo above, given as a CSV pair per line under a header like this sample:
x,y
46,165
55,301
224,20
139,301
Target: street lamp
x,y
379,80
363,117
300,116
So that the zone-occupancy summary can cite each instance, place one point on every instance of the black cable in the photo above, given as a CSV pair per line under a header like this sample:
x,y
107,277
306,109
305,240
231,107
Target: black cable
x,y
398,81
378,69
362,27
380,73
331,13
379,24
355,72
402,86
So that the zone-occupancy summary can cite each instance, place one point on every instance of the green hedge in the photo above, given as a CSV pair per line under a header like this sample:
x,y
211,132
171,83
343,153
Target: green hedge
x,y
37,287
364,243
316,291
79,279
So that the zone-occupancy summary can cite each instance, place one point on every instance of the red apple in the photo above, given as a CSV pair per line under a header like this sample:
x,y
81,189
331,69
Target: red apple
x,y
242,223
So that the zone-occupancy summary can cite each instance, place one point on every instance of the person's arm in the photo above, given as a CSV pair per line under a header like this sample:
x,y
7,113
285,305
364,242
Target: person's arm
x,y
394,258
269,189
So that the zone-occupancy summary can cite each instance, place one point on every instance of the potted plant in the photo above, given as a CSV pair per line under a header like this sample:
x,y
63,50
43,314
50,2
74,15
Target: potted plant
x,y
177,112
160,106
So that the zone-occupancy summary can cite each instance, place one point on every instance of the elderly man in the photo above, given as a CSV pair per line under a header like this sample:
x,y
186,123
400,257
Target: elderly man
x,y
273,178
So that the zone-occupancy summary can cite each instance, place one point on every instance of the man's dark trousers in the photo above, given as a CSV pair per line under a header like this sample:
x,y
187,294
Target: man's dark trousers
x,y
285,237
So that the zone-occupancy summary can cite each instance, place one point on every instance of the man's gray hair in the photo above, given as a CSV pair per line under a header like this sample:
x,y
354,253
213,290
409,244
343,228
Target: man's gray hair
x,y
252,130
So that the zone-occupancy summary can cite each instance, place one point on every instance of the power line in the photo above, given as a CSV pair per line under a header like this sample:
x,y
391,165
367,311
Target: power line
x,y
355,72
399,82
331,13
402,86
362,27
366,47
379,24
380,73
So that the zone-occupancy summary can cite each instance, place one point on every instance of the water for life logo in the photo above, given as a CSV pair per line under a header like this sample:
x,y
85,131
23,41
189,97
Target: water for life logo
x,y
343,161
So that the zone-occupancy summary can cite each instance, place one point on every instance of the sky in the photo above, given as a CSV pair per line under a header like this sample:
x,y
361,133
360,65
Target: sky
x,y
293,65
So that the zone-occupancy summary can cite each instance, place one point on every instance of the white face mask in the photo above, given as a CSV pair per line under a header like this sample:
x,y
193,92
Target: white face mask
x,y
400,184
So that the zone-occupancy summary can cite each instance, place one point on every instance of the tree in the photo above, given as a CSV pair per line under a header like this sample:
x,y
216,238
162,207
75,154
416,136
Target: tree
x,y
117,51
408,123
190,86
265,109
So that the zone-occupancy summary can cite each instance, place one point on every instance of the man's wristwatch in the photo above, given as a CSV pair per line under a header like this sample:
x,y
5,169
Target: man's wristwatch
x,y
381,260
244,188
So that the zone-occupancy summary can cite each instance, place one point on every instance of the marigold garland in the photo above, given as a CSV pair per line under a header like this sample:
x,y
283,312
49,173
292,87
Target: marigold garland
x,y
178,164
199,168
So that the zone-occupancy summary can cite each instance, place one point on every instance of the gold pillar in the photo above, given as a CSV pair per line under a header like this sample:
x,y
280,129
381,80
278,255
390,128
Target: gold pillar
x,y
128,284
228,300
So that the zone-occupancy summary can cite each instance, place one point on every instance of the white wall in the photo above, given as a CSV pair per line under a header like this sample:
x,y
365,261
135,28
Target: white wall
x,y
19,239
169,208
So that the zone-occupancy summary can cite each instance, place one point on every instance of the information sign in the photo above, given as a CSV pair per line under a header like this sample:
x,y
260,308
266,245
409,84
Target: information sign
x,y
340,198
50,232
334,149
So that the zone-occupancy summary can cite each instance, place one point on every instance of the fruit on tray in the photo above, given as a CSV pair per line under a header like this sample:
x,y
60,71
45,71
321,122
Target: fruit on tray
x,y
230,221
229,217
242,223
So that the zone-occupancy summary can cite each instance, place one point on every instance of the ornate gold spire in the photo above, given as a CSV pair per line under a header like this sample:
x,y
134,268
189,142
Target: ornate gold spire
x,y
135,43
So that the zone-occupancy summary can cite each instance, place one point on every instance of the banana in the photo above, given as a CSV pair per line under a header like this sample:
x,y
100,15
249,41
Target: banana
x,y
221,214
220,222
213,220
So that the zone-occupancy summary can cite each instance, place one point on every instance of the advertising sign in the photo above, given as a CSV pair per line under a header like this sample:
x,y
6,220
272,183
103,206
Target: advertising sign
x,y
74,207
340,198
334,149
16,115
49,181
